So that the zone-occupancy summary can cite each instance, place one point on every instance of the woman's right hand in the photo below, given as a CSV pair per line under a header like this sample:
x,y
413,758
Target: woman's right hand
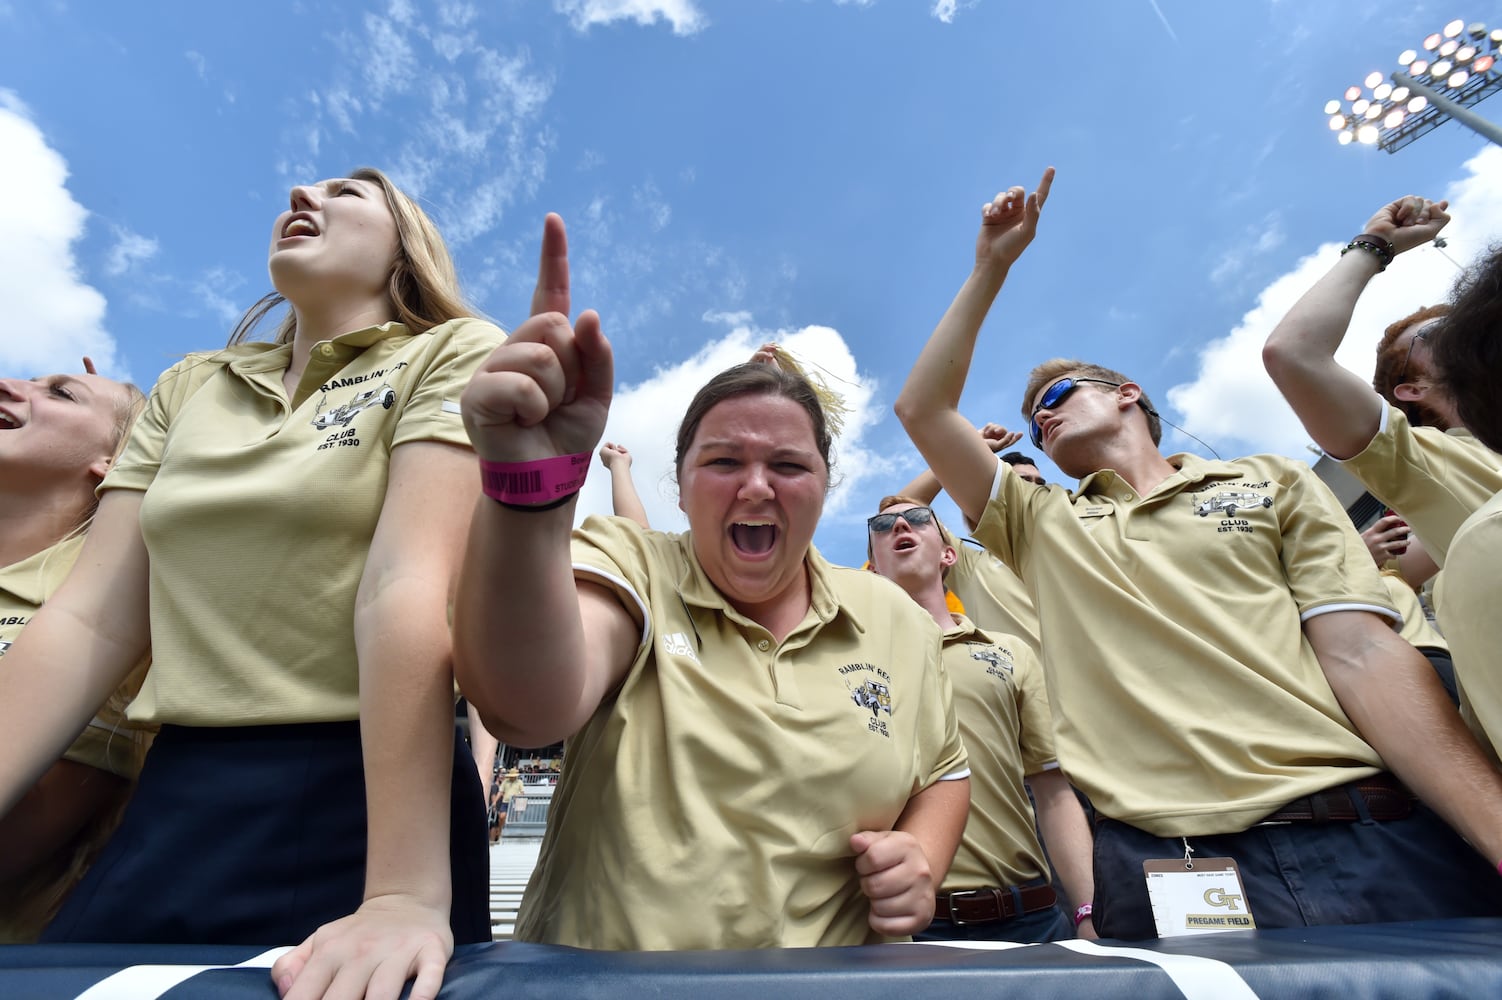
x,y
546,391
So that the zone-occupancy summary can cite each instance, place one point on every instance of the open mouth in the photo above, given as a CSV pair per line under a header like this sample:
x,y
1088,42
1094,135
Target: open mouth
x,y
299,225
8,422
904,544
753,538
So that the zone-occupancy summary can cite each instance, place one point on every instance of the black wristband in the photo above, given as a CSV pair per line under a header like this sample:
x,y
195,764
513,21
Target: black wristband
x,y
530,509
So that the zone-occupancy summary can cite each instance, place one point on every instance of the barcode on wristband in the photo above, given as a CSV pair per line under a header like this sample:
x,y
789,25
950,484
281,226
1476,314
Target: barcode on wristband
x,y
518,482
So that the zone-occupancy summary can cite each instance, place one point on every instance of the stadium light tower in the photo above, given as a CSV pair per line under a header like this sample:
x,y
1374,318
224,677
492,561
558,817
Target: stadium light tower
x,y
1454,70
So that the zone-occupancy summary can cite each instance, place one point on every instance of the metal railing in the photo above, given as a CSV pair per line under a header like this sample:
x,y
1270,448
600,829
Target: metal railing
x,y
532,821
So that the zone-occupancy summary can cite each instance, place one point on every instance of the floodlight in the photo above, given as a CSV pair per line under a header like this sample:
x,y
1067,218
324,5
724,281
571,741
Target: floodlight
x,y
1441,69
1418,104
1344,138
1394,119
1331,107
1407,56
1454,28
1496,37
1476,30
1464,54
1419,68
1367,135
1359,107
1353,92
1432,42
1399,95
1382,91
1373,78
1374,110
1457,79
1482,64
1448,49
1337,122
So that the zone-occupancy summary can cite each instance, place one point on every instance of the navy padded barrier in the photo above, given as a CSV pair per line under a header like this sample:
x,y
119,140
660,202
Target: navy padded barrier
x,y
1451,958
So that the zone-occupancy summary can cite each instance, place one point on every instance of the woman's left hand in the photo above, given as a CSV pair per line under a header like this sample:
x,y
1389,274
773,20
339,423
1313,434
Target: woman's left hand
x,y
371,953
898,880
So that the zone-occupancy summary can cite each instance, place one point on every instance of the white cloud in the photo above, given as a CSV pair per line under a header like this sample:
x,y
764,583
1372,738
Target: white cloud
x,y
200,65
53,317
944,10
130,249
644,418
476,141
684,15
1233,403
217,289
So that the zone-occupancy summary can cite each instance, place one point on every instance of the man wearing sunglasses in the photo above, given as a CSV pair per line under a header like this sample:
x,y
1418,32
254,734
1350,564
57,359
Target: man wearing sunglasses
x,y
1218,649
998,884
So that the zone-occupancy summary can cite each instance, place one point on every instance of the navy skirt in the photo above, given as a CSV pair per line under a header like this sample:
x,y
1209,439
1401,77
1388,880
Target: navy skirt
x,y
256,835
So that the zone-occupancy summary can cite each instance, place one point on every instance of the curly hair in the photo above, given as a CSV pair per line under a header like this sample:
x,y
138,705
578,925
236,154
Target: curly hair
x,y
1467,349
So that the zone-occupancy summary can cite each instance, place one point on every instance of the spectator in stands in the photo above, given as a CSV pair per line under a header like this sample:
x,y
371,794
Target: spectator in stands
x,y
61,434
1025,467
988,592
762,747
296,512
1388,539
506,794
1468,363
1435,473
998,887
1217,647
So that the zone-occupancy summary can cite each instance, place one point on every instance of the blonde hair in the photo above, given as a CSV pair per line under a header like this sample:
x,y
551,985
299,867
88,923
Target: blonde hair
x,y
831,401
423,287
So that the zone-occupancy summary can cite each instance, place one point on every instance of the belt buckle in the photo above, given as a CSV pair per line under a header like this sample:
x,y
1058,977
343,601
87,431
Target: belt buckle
x,y
954,912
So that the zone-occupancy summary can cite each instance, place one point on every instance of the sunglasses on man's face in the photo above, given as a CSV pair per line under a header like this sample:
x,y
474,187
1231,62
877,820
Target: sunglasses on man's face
x,y
1056,394
1407,358
917,517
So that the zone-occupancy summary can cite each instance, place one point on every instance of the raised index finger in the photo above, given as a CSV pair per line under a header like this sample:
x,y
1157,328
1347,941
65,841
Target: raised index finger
x,y
551,294
1044,185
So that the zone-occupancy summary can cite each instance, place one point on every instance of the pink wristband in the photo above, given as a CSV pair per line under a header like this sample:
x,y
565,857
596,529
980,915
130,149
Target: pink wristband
x,y
533,484
1083,912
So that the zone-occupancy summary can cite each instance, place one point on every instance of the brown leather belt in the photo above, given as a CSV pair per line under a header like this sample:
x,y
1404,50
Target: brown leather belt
x,y
989,906
1386,799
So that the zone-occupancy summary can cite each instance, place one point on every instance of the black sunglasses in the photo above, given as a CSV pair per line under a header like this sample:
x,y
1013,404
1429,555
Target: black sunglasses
x,y
1056,394
1403,372
917,517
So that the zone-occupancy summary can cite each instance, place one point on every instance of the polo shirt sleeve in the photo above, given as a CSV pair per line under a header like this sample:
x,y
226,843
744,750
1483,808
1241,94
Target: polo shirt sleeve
x,y
941,754
1325,561
1435,480
1004,526
1034,714
612,552
137,465
432,412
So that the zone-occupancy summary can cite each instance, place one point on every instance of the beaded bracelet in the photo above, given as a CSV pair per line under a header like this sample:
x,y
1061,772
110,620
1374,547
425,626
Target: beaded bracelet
x,y
1374,245
1083,912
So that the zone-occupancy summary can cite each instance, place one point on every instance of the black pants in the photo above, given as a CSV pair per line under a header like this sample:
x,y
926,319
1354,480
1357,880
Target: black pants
x,y
256,835
1303,874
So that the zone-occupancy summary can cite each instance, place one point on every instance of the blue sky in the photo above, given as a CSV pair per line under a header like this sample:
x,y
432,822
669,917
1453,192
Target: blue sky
x,y
734,171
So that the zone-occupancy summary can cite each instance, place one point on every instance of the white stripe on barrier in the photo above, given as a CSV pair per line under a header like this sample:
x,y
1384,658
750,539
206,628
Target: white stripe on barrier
x,y
148,982
1197,978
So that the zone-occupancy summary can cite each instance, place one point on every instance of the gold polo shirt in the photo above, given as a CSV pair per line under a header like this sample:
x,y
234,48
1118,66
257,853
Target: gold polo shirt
x,y
1007,728
710,800
993,596
1186,700
259,511
1434,479
1416,628
108,743
1473,626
